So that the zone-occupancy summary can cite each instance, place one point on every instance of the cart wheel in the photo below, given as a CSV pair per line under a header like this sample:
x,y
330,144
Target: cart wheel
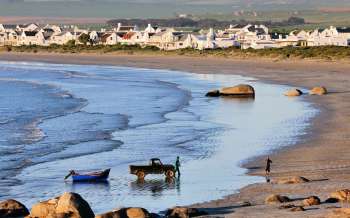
x,y
169,174
140,175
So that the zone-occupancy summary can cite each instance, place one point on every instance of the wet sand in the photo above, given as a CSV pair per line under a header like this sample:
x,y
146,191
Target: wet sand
x,y
322,155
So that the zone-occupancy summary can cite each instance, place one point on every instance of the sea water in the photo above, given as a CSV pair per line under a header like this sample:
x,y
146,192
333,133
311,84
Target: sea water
x,y
56,117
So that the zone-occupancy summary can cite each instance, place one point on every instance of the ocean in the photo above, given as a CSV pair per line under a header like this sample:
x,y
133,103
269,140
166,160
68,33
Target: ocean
x,y
57,117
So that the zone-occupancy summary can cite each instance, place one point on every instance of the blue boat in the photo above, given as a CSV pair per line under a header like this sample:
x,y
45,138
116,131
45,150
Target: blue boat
x,y
98,176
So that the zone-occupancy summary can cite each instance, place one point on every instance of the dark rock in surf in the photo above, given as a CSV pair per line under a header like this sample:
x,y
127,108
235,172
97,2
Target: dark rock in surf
x,y
213,93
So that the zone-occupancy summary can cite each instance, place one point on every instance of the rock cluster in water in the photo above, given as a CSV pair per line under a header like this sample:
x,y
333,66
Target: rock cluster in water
x,y
318,90
247,91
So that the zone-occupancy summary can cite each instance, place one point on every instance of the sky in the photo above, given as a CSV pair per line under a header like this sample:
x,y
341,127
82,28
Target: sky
x,y
153,8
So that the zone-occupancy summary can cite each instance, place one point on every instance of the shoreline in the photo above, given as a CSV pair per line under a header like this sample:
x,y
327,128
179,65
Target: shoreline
x,y
319,160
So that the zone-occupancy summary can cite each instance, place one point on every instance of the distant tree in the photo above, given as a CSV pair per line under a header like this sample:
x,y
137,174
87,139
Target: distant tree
x,y
296,21
70,43
84,38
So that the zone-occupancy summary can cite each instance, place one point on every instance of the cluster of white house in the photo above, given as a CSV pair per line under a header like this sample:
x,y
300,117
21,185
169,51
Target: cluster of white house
x,y
244,36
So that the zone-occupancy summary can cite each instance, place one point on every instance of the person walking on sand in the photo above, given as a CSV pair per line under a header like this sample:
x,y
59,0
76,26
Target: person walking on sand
x,y
177,166
268,166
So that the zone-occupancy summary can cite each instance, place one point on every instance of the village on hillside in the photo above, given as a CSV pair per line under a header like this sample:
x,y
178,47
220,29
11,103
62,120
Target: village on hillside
x,y
243,36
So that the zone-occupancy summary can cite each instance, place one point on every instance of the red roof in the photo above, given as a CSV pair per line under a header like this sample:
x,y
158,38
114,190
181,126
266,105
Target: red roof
x,y
128,35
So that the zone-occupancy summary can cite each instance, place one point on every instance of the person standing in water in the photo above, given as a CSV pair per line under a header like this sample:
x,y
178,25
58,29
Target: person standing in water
x,y
268,166
177,166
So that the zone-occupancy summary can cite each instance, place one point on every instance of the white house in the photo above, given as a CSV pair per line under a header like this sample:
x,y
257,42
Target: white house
x,y
109,38
329,36
96,36
121,28
152,29
3,38
334,36
7,27
31,38
132,38
62,38
27,27
246,36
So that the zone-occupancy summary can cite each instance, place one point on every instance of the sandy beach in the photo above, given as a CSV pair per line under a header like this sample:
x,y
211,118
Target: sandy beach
x,y
322,155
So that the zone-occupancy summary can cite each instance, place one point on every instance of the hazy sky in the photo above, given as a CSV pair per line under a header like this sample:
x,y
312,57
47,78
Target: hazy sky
x,y
152,8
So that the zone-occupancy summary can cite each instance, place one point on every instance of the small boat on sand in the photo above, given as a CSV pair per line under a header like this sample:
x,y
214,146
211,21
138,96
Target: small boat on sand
x,y
97,176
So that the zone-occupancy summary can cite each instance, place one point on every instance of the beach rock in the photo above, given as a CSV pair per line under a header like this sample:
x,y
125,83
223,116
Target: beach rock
x,y
274,199
111,214
12,208
312,200
136,212
297,208
69,205
286,206
245,204
213,93
341,195
131,212
73,203
184,212
241,90
44,209
331,200
318,91
293,93
292,180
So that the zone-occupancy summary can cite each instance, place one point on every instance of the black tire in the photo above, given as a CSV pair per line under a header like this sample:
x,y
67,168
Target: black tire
x,y
170,174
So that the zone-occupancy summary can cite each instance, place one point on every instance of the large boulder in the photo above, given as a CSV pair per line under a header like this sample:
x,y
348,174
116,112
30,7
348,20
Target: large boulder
x,y
12,208
44,209
241,90
130,212
184,212
293,93
320,90
312,200
276,199
68,205
292,180
73,203
341,195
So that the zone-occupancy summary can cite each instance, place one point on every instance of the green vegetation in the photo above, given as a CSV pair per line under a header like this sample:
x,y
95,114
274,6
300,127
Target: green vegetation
x,y
322,52
84,38
313,18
